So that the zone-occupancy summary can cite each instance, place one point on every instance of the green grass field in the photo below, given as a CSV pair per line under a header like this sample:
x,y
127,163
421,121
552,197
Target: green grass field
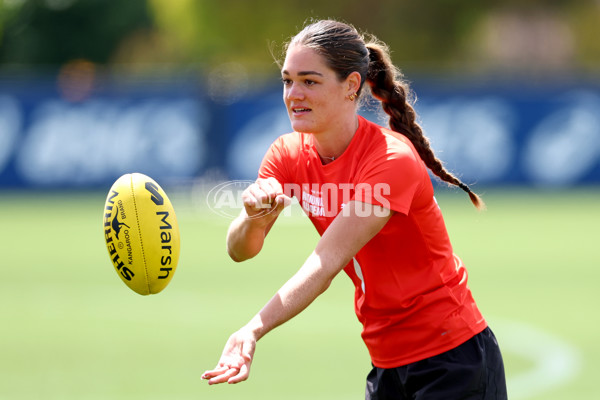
x,y
72,330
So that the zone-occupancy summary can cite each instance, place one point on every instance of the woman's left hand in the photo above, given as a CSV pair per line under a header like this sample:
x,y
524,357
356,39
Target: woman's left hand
x,y
234,365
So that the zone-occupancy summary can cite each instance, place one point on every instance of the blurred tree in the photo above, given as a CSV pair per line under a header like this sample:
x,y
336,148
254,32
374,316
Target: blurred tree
x,y
56,31
148,34
584,17
222,31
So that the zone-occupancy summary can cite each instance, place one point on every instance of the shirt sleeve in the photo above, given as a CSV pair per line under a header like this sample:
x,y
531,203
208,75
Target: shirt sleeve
x,y
271,162
275,164
391,179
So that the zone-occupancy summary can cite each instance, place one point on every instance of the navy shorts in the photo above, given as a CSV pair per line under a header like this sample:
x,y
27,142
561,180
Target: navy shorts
x,y
473,370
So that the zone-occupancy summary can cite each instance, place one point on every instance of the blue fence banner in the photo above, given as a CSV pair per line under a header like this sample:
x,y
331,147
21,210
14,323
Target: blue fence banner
x,y
512,135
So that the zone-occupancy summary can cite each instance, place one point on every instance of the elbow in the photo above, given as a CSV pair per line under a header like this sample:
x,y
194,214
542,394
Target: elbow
x,y
324,284
240,251
237,256
235,259
327,284
234,256
324,270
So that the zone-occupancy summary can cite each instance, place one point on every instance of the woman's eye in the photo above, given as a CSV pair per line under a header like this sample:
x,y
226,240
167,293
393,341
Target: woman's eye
x,y
289,82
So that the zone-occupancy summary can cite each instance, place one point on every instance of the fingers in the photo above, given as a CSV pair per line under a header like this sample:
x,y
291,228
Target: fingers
x,y
215,372
265,196
262,193
283,200
229,374
241,376
224,374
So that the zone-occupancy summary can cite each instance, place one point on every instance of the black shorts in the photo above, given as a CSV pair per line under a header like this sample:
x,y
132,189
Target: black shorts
x,y
473,370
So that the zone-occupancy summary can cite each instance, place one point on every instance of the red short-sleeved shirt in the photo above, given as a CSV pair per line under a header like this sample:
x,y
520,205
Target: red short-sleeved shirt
x,y
411,292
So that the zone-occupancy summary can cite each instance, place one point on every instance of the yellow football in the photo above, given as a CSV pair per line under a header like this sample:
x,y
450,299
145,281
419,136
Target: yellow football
x,y
141,233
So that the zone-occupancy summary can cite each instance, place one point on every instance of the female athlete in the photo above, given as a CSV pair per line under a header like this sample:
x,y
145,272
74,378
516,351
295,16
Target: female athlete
x,y
367,191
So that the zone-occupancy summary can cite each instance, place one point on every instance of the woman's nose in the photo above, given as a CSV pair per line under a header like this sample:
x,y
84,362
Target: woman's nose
x,y
294,92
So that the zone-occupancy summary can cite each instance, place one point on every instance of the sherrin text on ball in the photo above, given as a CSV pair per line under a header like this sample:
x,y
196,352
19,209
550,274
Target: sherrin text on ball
x,y
141,233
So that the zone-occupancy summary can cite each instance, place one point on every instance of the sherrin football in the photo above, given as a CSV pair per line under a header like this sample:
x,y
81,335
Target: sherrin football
x,y
141,233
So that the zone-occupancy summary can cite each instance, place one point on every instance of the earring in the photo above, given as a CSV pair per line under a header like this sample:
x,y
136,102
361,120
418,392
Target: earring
x,y
352,97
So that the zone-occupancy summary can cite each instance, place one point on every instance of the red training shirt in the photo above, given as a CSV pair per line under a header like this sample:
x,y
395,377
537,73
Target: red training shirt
x,y
411,292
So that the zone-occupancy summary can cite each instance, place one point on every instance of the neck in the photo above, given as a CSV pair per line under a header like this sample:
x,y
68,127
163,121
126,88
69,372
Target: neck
x,y
331,145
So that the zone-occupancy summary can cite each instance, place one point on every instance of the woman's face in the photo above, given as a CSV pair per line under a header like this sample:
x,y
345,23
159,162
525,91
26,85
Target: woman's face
x,y
313,94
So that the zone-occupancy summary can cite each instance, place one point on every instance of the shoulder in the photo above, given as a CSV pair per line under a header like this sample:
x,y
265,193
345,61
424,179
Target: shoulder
x,y
287,145
384,144
290,141
282,157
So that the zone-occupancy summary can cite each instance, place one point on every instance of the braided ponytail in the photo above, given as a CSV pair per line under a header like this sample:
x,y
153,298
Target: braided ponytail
x,y
388,86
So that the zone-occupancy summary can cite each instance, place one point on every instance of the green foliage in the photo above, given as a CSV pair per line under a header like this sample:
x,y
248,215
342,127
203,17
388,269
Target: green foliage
x,y
38,33
423,35
238,30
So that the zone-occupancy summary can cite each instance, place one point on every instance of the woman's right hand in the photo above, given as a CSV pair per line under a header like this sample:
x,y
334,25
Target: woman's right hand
x,y
264,200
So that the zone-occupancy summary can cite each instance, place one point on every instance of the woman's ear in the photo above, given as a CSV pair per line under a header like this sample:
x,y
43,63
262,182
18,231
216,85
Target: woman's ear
x,y
353,82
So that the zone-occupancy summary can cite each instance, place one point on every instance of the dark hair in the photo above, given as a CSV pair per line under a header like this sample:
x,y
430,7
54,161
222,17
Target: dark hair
x,y
345,50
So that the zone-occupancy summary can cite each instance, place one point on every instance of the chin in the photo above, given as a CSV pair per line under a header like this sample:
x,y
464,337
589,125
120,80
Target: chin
x,y
301,127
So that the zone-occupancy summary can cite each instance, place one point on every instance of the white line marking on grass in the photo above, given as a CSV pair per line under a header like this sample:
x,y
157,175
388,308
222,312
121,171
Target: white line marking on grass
x,y
556,362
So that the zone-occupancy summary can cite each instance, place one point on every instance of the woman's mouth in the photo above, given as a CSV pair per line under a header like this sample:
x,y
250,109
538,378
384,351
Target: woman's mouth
x,y
300,110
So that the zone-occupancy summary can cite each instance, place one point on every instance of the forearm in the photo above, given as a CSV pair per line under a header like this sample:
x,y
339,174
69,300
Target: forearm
x,y
245,238
263,202
348,233
294,296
